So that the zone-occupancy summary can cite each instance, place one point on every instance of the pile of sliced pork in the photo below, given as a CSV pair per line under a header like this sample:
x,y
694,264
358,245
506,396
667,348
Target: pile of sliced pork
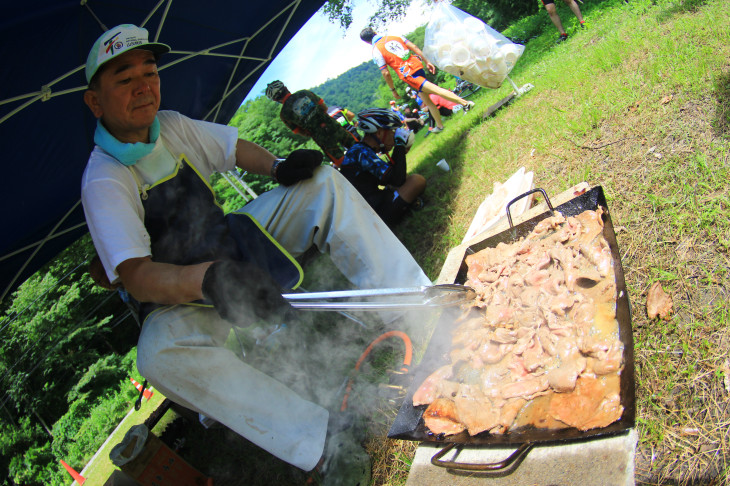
x,y
540,346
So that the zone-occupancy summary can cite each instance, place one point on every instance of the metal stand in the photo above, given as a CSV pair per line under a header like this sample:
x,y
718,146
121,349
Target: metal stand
x,y
519,91
516,93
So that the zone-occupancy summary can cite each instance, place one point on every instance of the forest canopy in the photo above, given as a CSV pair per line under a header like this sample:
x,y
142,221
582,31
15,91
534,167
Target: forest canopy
x,y
497,13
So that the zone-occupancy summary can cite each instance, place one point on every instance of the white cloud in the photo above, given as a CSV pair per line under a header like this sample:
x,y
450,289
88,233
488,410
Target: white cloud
x,y
320,52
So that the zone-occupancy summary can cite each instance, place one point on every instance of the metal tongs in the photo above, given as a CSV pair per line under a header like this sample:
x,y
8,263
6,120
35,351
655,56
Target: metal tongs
x,y
444,295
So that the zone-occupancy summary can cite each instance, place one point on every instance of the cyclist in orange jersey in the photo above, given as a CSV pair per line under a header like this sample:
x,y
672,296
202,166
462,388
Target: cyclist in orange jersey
x,y
407,60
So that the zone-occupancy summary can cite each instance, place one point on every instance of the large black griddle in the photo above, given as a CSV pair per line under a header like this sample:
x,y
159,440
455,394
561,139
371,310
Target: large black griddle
x,y
409,425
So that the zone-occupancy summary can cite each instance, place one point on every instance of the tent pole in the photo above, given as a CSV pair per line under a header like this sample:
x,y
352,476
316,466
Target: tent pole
x,y
40,245
104,28
238,176
229,181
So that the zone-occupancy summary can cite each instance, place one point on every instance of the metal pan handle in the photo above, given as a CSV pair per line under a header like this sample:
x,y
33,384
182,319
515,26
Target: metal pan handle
x,y
547,200
519,454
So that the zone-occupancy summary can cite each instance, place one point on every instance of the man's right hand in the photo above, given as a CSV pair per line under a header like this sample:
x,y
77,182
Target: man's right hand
x,y
298,166
243,293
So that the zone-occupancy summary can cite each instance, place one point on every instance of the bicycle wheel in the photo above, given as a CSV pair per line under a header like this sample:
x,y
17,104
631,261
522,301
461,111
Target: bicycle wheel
x,y
469,90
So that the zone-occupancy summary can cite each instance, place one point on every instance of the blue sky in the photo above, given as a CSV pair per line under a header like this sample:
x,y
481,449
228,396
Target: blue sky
x,y
320,52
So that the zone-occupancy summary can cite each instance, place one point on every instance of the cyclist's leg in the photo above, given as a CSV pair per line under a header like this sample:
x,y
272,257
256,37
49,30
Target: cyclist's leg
x,y
417,81
553,14
428,87
575,9
433,109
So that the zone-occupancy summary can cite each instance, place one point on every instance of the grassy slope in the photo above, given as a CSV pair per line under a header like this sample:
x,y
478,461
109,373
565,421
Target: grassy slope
x,y
637,103
101,468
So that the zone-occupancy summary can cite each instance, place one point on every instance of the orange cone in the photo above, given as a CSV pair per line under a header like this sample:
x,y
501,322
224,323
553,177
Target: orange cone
x,y
147,392
77,477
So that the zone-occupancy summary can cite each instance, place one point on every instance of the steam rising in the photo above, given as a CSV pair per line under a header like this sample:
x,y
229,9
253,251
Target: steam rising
x,y
316,354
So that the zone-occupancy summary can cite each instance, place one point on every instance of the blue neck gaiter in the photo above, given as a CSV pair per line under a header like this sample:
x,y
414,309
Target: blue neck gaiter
x,y
126,153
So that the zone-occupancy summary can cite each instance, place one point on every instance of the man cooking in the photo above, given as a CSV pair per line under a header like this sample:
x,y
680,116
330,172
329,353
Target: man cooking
x,y
159,232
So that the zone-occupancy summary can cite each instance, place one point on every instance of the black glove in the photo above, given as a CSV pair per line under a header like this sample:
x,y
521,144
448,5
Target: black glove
x,y
243,293
298,166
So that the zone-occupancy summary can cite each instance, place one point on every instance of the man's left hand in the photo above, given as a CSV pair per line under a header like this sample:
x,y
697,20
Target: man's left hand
x,y
298,166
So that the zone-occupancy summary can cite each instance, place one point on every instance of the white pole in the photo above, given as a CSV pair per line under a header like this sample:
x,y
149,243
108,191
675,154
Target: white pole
x,y
237,175
240,193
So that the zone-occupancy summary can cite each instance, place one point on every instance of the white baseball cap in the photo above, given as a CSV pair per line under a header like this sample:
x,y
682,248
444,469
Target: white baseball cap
x,y
118,40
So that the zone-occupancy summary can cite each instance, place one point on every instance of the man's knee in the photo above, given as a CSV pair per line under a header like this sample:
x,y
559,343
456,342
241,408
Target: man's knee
x,y
428,87
324,173
325,179
416,184
146,360
419,180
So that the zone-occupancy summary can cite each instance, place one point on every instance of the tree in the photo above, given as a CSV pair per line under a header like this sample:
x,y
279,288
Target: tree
x,y
498,14
53,329
15,441
56,325
388,10
353,89
258,121
35,467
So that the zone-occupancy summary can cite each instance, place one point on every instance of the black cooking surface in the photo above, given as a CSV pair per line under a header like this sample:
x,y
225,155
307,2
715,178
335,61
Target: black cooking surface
x,y
409,425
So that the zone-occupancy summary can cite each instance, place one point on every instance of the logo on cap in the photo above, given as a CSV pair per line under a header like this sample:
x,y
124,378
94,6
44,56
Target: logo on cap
x,y
112,43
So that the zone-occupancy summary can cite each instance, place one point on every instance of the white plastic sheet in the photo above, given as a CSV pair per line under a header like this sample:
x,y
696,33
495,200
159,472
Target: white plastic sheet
x,y
466,47
493,209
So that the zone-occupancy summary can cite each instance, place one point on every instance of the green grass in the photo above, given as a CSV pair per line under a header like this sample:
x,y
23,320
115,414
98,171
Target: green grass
x,y
99,471
639,104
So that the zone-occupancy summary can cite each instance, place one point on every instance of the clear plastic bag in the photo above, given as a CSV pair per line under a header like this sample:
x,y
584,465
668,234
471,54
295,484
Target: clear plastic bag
x,y
466,47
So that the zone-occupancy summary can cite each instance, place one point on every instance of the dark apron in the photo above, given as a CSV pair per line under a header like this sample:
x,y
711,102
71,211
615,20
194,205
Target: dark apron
x,y
187,226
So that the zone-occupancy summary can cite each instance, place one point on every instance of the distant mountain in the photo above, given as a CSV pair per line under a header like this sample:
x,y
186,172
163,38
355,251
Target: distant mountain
x,y
364,87
354,89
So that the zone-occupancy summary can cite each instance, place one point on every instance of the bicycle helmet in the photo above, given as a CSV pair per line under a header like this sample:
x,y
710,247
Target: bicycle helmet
x,y
334,110
276,90
371,119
